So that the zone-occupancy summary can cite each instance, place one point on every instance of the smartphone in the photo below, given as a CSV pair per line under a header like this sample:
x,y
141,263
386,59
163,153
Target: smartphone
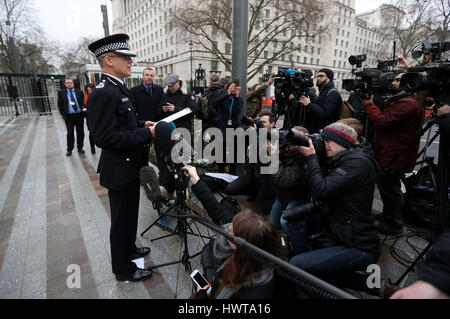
x,y
199,280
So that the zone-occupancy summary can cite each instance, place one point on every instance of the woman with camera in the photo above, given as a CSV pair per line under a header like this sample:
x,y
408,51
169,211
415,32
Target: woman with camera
x,y
240,276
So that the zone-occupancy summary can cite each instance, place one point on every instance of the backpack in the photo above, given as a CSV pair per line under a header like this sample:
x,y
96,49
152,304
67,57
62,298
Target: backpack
x,y
347,110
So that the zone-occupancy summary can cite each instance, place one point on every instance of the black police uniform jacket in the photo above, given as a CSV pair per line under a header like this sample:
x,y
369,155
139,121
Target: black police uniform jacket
x,y
116,130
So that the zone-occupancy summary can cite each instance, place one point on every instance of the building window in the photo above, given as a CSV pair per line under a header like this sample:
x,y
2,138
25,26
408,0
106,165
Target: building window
x,y
214,65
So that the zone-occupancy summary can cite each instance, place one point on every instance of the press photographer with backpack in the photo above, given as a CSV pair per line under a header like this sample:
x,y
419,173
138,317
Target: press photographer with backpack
x,y
326,108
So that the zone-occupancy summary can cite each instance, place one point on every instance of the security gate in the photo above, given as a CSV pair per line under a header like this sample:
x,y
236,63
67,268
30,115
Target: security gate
x,y
25,94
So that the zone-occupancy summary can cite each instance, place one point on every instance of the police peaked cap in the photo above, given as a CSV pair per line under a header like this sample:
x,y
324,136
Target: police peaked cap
x,y
117,43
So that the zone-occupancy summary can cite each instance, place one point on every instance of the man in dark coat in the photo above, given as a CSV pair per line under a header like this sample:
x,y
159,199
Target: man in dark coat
x,y
116,130
349,242
174,100
326,108
147,98
70,105
396,127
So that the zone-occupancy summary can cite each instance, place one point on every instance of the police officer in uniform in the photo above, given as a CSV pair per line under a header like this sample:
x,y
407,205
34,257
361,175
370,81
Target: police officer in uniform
x,y
116,130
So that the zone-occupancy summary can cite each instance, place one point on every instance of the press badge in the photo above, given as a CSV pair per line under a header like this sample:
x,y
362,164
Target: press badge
x,y
72,103
230,122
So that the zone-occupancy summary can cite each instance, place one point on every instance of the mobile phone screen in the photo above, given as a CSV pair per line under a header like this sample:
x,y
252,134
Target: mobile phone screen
x,y
200,280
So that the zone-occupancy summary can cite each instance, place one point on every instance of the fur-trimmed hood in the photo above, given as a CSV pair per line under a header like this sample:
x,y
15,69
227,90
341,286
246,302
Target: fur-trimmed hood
x,y
183,87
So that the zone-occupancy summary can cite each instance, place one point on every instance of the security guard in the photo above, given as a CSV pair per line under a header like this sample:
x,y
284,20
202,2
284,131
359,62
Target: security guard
x,y
116,130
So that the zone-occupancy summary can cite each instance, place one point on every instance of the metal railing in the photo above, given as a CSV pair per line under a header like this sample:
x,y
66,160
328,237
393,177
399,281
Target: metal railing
x,y
26,105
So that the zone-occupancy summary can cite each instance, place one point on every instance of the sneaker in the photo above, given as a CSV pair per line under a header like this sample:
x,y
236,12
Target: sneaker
x,y
389,228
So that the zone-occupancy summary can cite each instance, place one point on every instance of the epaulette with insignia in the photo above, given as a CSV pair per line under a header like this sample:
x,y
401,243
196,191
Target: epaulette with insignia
x,y
101,85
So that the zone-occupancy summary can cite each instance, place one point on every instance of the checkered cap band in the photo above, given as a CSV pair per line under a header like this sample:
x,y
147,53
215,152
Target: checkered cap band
x,y
111,47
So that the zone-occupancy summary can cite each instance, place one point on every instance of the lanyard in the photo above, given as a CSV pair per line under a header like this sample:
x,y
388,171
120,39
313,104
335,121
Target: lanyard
x,y
231,107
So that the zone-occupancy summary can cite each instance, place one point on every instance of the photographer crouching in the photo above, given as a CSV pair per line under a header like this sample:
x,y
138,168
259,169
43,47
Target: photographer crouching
x,y
349,242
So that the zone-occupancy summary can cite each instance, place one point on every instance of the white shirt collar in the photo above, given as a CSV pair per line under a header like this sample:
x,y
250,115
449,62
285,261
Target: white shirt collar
x,y
114,77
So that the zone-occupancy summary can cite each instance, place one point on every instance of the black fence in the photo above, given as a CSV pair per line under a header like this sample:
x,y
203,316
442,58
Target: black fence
x,y
25,94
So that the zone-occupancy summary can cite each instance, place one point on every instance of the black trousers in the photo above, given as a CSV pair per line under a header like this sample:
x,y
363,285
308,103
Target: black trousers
x,y
91,137
75,121
124,206
389,185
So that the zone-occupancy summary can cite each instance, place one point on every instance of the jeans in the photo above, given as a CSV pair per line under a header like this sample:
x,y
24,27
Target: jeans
x,y
296,235
333,261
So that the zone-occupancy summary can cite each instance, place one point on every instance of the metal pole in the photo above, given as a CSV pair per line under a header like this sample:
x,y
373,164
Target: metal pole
x,y
104,10
190,46
240,47
13,46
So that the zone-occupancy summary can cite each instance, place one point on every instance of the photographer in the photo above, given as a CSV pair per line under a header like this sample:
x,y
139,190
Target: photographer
x,y
396,126
240,276
287,104
326,107
254,98
251,182
291,191
349,242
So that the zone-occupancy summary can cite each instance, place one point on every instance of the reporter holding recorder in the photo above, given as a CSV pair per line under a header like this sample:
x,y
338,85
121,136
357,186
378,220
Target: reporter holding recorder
x,y
239,276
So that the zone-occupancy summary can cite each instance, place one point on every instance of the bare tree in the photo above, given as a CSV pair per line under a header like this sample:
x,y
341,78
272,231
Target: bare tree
x,y
275,28
76,56
441,20
413,26
37,51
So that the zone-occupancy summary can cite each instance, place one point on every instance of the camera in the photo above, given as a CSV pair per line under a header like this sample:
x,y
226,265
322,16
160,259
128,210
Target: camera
x,y
371,81
291,81
357,60
435,80
300,213
247,121
288,138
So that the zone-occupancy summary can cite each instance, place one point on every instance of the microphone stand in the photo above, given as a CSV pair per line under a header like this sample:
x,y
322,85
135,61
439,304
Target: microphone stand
x,y
179,208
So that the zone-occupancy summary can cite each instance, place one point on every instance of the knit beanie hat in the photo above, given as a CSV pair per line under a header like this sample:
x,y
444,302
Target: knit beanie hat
x,y
342,134
329,73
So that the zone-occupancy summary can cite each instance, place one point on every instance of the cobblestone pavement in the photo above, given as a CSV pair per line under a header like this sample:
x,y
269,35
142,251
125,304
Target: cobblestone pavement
x,y
54,213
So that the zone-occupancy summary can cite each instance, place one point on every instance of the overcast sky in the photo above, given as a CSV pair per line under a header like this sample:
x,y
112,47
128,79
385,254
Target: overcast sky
x,y
67,21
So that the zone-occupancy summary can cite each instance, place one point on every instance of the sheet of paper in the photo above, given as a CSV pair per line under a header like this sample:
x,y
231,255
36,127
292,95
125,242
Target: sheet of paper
x,y
176,116
139,263
226,177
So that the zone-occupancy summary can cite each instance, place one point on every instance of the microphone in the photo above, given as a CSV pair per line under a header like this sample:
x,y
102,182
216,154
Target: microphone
x,y
149,180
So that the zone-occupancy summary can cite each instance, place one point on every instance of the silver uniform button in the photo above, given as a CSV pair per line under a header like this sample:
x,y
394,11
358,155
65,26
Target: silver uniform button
x,y
128,159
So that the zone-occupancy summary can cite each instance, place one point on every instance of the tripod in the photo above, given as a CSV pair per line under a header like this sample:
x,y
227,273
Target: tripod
x,y
440,186
183,228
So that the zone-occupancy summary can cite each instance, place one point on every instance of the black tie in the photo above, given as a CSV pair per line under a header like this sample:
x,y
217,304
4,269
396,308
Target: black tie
x,y
72,98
